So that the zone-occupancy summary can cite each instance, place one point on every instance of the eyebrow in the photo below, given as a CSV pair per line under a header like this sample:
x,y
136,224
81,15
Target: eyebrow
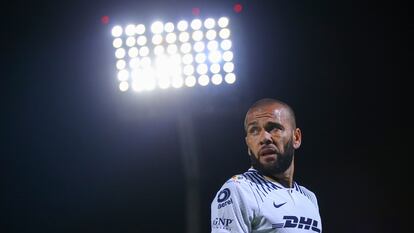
x,y
274,124
266,125
251,123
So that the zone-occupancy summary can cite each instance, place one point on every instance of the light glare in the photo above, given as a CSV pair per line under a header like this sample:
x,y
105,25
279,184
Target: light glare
x,y
230,78
176,59
157,39
143,51
196,24
157,27
215,68
188,70
182,25
142,40
225,44
199,46
158,50
190,81
169,27
171,38
212,45
130,41
140,29
117,42
211,34
216,79
117,31
172,48
177,82
134,63
185,48
120,64
145,62
130,30
133,52
214,56
228,67
120,53
228,56
164,83
123,86
184,36
203,80
202,69
209,23
187,59
223,22
123,75
200,58
197,35
224,33
136,86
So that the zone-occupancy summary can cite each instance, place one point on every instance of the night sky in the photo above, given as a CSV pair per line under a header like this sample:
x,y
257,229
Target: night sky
x,y
78,155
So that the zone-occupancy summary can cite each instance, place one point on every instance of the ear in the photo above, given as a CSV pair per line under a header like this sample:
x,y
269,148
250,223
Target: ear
x,y
297,138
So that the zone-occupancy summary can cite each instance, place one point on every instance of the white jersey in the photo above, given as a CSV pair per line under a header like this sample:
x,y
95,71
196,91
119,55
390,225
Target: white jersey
x,y
250,203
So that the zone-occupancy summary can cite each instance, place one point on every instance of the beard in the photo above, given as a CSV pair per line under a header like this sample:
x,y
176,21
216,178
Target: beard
x,y
282,163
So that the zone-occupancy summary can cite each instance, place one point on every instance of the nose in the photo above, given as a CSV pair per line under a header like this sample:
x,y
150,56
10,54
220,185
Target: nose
x,y
266,138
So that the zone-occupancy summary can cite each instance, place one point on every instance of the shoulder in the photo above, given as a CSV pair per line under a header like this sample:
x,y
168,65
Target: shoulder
x,y
237,183
235,193
311,195
307,191
237,187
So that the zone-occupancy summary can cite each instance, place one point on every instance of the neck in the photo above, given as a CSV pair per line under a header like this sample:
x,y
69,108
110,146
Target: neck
x,y
285,178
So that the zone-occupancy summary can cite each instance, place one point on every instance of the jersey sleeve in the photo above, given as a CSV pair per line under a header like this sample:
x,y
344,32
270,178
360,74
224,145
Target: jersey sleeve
x,y
232,209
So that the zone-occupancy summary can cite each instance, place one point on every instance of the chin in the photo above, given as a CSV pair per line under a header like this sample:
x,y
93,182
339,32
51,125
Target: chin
x,y
268,165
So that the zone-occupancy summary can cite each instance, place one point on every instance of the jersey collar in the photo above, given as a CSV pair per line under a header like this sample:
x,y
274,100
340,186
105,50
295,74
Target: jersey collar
x,y
279,185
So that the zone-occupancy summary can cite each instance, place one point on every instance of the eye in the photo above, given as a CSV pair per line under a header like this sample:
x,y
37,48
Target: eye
x,y
274,128
254,130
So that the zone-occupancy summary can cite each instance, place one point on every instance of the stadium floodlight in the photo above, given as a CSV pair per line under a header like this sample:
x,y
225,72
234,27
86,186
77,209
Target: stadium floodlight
x,y
173,54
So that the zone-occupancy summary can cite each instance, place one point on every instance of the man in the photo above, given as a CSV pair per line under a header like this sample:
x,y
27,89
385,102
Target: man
x,y
266,198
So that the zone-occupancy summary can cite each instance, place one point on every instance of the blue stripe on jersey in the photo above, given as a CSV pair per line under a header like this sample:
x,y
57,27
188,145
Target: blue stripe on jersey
x,y
251,175
297,187
254,177
252,180
266,182
256,188
306,194
257,174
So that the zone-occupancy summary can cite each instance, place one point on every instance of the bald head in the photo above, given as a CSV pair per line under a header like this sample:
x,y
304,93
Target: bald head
x,y
271,102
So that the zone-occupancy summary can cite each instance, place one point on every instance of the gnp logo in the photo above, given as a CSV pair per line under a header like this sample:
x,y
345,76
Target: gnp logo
x,y
222,223
223,198
295,222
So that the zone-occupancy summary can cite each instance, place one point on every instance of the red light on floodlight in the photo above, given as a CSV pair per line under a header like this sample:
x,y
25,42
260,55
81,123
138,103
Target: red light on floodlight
x,y
105,19
196,11
238,7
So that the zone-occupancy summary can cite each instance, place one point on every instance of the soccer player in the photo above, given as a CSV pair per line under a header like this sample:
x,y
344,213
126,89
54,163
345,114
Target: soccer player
x,y
266,198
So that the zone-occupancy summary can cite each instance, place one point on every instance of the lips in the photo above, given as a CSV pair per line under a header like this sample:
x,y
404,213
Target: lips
x,y
267,151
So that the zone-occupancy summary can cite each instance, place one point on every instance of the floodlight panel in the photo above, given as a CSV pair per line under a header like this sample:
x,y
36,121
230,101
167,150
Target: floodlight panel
x,y
173,54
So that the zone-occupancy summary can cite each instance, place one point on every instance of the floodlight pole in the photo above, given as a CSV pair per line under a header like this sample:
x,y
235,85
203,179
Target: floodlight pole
x,y
190,161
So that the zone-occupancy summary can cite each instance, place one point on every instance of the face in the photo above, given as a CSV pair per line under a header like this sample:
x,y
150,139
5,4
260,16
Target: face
x,y
271,138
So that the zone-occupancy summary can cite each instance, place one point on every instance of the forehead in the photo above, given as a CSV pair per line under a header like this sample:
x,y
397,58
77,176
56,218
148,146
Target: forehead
x,y
269,112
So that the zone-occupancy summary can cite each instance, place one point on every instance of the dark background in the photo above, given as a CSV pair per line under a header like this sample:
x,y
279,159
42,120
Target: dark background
x,y
79,156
